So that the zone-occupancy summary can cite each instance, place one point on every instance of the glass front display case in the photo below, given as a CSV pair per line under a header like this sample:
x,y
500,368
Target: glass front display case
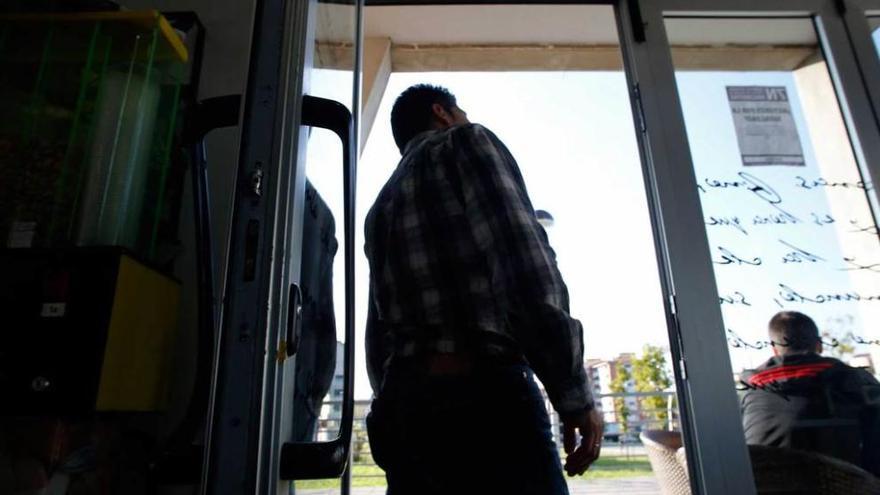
x,y
88,115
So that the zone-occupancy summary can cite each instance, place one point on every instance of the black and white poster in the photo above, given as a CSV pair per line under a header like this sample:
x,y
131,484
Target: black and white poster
x,y
765,128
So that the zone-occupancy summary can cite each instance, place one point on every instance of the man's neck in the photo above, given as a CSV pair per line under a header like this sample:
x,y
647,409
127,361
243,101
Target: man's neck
x,y
798,355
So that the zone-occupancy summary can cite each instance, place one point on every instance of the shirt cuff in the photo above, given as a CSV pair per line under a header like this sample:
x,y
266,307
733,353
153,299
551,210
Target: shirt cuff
x,y
572,397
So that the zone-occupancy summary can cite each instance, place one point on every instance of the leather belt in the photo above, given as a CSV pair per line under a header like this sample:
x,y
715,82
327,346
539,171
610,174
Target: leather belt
x,y
450,364
456,364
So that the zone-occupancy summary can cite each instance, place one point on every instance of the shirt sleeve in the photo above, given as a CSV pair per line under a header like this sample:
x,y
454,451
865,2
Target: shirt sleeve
x,y
518,253
378,349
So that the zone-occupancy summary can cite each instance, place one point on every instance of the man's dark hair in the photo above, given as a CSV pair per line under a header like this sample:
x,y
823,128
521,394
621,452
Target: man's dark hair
x,y
412,115
792,332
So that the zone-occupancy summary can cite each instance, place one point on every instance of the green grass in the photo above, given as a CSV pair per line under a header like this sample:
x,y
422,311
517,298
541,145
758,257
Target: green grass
x,y
604,468
363,475
619,467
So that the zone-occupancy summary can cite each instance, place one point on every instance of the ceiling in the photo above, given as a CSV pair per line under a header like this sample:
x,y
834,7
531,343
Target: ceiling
x,y
555,37
544,25
493,24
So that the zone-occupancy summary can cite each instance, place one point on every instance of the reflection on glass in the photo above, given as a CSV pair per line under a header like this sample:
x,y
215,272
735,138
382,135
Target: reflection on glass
x,y
318,390
790,229
319,374
319,356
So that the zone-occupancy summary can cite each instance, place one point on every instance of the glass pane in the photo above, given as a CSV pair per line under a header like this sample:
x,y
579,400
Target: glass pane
x,y
556,95
318,390
319,360
790,230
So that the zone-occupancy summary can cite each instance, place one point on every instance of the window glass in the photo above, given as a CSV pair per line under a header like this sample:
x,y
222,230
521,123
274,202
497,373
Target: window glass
x,y
790,229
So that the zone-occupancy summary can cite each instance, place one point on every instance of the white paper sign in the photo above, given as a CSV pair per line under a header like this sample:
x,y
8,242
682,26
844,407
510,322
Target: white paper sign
x,y
765,129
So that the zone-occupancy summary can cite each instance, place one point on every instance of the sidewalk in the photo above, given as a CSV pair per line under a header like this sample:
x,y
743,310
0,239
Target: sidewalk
x,y
646,485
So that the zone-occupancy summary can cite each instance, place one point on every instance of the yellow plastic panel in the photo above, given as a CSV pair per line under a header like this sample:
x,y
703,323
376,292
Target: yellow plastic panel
x,y
139,339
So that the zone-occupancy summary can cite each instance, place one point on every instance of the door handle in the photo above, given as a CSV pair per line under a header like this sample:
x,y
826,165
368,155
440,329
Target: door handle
x,y
316,460
294,319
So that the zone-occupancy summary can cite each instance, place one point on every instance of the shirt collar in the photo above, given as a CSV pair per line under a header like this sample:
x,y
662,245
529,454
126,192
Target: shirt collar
x,y
417,140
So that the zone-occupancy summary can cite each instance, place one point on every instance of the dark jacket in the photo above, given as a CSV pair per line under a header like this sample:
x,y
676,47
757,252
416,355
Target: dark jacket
x,y
814,403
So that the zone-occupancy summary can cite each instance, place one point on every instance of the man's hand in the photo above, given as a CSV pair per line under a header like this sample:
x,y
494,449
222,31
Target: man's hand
x,y
590,426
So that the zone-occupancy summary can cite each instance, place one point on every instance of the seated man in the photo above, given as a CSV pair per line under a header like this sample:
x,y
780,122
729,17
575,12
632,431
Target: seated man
x,y
801,400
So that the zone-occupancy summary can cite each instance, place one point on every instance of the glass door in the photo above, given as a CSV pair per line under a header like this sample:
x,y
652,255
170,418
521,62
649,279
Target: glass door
x,y
319,392
765,157
279,327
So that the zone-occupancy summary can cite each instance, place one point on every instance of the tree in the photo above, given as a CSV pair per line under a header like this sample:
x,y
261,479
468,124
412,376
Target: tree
x,y
618,386
650,375
842,350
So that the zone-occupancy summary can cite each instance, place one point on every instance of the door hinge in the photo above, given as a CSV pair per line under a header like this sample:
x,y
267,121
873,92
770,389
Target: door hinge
x,y
640,111
673,310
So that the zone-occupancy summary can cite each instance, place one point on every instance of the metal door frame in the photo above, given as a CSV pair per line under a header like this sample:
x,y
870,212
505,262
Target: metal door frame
x,y
234,461
246,429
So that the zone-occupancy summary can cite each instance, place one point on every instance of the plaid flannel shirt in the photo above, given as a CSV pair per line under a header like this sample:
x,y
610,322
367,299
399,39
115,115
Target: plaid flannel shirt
x,y
456,251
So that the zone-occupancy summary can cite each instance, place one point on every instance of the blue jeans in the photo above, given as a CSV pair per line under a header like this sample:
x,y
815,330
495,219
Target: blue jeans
x,y
483,433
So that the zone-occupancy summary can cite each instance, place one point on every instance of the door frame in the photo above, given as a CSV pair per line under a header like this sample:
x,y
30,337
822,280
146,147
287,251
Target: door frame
x,y
241,451
245,417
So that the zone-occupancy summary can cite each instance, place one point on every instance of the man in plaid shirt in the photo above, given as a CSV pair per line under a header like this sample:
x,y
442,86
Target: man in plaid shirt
x,y
466,301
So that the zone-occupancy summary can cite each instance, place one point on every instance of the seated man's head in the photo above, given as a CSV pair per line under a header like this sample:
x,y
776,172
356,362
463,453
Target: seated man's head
x,y
794,333
423,107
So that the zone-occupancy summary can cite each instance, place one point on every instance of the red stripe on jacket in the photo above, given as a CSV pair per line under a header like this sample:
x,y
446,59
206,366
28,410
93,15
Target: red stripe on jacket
x,y
788,371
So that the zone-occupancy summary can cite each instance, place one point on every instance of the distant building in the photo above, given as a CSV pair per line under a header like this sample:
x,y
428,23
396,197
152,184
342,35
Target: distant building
x,y
601,373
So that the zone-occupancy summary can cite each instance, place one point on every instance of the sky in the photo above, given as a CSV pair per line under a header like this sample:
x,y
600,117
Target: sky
x,y
573,137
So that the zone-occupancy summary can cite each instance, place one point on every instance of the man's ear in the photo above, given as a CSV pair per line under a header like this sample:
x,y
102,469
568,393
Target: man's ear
x,y
441,116
819,347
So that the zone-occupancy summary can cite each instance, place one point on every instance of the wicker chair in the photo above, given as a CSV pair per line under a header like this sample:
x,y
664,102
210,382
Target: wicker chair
x,y
662,447
777,470
788,471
